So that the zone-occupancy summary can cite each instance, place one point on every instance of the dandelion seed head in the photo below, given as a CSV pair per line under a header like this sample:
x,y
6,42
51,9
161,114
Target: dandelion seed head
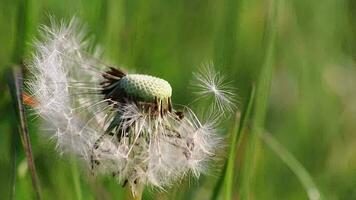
x,y
119,123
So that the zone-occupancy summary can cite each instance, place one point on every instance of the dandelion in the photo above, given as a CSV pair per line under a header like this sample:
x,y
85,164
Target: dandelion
x,y
118,123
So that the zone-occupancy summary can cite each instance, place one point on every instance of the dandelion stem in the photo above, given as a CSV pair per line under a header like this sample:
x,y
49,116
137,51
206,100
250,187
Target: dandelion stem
x,y
76,179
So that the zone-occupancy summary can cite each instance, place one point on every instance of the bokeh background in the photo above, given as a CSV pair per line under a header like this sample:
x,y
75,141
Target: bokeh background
x,y
298,54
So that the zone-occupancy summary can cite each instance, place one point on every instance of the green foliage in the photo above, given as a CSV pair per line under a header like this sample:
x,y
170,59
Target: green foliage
x,y
300,55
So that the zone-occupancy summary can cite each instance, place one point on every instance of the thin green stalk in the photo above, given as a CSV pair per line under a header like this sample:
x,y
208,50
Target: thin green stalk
x,y
16,82
260,105
219,183
236,142
227,174
265,78
76,179
22,32
13,152
296,167
14,139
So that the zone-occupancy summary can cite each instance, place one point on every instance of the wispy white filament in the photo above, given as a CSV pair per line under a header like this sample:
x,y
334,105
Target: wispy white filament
x,y
140,149
210,83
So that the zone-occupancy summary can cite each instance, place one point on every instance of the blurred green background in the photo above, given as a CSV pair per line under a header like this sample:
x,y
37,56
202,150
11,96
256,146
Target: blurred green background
x,y
299,54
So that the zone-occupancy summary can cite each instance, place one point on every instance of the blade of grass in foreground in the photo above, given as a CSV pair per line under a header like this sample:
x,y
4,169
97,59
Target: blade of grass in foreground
x,y
260,105
227,174
236,141
15,87
14,139
15,83
219,183
297,168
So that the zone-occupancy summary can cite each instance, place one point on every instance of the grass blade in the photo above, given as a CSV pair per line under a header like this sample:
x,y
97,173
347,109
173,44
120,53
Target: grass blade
x,y
260,105
227,174
297,168
14,139
219,183
23,27
13,152
236,142
16,83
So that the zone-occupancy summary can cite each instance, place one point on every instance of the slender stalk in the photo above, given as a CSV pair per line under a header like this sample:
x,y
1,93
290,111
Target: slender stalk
x,y
22,32
14,79
260,105
76,179
296,167
228,171
236,142
16,82
219,183
14,149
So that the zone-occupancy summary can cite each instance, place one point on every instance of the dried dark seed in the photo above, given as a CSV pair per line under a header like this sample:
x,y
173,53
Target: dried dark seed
x,y
179,114
96,162
93,162
125,183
